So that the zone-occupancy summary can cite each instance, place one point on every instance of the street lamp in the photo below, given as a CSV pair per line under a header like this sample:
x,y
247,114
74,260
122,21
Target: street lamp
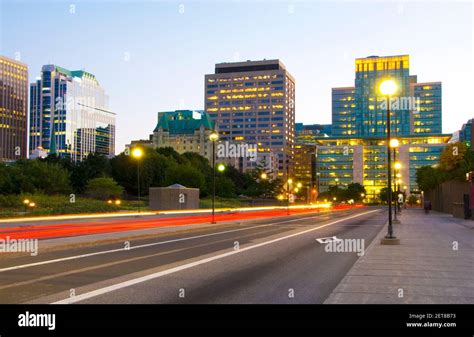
x,y
388,88
137,153
288,183
221,167
394,144
213,137
263,176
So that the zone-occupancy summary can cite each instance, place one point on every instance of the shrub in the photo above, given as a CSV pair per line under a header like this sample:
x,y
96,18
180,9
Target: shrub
x,y
103,188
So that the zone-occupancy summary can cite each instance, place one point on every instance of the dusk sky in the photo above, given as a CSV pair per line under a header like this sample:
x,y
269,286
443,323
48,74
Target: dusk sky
x,y
151,56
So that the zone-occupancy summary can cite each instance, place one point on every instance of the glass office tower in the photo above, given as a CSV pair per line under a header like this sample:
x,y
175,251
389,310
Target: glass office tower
x,y
69,114
356,150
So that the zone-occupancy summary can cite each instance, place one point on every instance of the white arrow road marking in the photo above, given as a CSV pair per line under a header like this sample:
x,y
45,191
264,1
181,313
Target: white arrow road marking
x,y
328,239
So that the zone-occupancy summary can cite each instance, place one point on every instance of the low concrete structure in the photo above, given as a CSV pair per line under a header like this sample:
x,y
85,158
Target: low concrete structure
x,y
173,197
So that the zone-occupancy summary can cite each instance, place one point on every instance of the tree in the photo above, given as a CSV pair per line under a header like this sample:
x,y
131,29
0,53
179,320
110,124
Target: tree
x,y
412,200
185,175
153,169
103,188
428,177
354,191
93,166
453,156
225,187
37,176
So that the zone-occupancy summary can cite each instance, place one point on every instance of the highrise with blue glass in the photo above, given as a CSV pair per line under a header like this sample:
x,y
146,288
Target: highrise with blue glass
x,y
356,150
69,114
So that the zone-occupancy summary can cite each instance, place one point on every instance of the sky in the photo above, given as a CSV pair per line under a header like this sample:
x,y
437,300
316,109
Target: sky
x,y
152,56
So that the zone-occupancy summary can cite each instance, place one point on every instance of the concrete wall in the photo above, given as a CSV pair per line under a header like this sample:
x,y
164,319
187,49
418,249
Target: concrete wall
x,y
165,198
448,197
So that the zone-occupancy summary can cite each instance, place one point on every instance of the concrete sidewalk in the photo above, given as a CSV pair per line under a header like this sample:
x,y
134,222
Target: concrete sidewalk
x,y
424,268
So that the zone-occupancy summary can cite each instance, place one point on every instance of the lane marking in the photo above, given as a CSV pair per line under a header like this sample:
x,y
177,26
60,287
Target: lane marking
x,y
34,264
114,263
142,279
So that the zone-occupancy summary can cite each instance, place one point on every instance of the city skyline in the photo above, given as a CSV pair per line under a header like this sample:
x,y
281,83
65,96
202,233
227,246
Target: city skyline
x,y
141,75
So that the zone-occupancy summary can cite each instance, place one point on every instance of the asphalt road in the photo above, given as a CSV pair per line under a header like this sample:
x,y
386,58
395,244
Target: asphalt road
x,y
276,260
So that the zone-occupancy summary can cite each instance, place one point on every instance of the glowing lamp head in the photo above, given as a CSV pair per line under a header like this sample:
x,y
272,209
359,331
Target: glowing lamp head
x,y
263,176
299,185
26,201
290,181
394,143
221,167
388,87
32,204
214,136
137,153
118,202
398,165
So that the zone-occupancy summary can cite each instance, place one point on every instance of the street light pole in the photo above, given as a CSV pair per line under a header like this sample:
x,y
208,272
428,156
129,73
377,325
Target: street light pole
x,y
137,153
213,137
287,190
388,88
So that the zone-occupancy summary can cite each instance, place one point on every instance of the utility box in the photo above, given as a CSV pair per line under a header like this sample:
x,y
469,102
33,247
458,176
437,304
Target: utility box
x,y
173,197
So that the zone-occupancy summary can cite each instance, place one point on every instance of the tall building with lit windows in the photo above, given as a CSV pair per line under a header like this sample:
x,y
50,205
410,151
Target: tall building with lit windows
x,y
253,103
13,109
362,111
356,150
427,119
69,114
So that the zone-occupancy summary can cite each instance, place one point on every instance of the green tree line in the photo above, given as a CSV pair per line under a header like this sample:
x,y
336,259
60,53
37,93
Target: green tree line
x,y
98,175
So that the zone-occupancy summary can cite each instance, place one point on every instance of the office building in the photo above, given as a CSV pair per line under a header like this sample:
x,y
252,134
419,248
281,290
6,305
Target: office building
x,y
363,160
13,109
466,134
253,104
360,110
356,150
308,133
69,114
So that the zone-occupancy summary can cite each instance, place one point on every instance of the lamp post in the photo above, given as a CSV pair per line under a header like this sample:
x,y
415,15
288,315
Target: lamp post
x,y
213,137
288,182
394,143
397,166
388,88
137,153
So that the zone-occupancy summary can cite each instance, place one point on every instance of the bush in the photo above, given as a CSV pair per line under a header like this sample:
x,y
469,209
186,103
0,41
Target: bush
x,y
103,188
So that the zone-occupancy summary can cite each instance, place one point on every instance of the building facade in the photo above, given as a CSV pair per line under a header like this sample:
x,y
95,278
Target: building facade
x,y
363,160
253,104
360,111
184,133
466,135
357,151
69,114
13,109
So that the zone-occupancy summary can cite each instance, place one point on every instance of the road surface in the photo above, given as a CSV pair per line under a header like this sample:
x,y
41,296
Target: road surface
x,y
274,260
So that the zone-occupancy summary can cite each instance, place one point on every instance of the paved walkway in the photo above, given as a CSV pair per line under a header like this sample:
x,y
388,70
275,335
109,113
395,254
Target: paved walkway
x,y
424,268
